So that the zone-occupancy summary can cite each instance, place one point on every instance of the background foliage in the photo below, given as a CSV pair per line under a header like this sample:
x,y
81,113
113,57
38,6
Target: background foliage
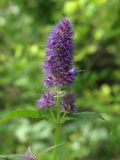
x,y
24,27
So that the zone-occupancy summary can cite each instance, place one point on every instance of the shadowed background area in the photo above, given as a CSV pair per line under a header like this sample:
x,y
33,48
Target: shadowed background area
x,y
24,28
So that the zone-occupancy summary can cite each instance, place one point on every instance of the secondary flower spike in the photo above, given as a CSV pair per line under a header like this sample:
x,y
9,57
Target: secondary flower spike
x,y
68,103
47,100
58,66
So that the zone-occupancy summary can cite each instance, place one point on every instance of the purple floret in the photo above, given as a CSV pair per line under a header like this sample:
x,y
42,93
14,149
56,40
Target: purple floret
x,y
29,155
47,100
58,66
68,103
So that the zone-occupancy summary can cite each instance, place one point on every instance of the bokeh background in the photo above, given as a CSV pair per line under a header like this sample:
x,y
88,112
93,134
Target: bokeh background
x,y
24,28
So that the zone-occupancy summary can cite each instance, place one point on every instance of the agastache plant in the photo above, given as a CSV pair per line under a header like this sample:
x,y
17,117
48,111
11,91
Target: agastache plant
x,y
57,105
59,72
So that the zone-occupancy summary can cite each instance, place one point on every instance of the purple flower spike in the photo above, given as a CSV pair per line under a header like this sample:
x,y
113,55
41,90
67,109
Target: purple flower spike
x,y
68,103
47,100
58,66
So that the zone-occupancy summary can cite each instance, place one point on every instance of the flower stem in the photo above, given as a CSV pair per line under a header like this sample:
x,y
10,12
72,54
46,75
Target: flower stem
x,y
57,141
53,115
57,138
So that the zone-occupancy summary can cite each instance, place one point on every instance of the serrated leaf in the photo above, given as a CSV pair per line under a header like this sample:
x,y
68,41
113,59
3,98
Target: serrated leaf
x,y
22,113
86,116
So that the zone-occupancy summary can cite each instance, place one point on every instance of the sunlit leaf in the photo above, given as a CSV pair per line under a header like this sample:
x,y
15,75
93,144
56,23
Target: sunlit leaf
x,y
22,113
35,114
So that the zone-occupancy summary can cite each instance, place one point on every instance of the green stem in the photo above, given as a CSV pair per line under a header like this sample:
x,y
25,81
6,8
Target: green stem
x,y
62,119
58,106
57,141
57,137
53,115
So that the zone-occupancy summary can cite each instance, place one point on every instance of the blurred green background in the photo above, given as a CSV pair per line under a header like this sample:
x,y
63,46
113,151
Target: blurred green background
x,y
24,28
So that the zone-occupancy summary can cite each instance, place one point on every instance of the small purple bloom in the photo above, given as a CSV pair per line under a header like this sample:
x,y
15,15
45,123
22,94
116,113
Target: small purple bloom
x,y
47,100
58,66
29,155
68,103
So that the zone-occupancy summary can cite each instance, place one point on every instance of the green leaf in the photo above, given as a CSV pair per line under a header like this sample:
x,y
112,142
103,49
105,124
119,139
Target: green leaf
x,y
11,156
86,116
22,113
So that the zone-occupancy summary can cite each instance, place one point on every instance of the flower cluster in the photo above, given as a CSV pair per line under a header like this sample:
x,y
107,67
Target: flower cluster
x,y
68,103
59,69
47,100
